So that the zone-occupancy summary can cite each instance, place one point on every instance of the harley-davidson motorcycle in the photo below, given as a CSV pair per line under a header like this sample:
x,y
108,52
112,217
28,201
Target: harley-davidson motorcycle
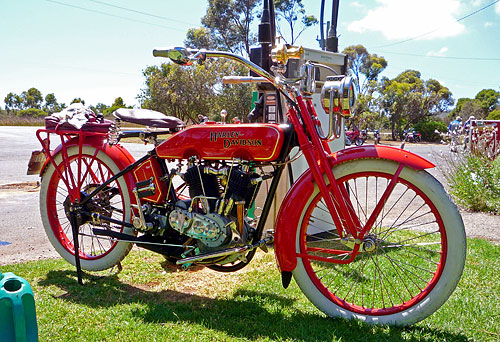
x,y
366,232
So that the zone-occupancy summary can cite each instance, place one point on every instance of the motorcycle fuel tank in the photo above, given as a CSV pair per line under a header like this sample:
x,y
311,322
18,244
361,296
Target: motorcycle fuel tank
x,y
259,142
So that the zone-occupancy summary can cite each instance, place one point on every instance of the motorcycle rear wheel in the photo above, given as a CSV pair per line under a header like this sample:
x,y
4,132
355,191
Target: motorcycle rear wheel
x,y
359,141
417,251
96,252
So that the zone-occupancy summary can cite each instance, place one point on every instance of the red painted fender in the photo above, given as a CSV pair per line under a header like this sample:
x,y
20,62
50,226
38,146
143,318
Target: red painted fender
x,y
298,195
121,157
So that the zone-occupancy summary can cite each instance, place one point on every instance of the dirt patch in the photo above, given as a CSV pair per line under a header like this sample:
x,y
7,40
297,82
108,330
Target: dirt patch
x,y
24,186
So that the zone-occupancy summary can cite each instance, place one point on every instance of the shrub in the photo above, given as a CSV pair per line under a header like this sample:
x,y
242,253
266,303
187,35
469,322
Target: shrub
x,y
494,115
474,182
31,112
428,128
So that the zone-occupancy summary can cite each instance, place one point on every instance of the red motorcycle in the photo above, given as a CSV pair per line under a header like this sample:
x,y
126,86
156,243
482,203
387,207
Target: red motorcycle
x,y
355,136
367,232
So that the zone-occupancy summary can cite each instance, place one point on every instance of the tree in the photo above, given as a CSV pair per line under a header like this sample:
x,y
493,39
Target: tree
x,y
32,98
226,26
51,104
99,108
361,62
78,100
408,99
480,106
10,102
291,11
200,38
118,103
488,100
494,115
465,108
186,92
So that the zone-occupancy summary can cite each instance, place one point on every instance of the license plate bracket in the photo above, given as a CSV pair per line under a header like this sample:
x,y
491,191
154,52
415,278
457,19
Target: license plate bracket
x,y
36,162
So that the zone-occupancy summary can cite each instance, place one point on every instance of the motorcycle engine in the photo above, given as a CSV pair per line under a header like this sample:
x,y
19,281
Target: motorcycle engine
x,y
215,213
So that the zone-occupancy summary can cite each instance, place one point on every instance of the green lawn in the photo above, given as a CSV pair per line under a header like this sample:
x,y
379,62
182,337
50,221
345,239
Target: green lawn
x,y
150,301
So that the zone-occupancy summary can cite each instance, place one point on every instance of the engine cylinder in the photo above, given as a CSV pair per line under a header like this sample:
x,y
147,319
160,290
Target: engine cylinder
x,y
202,184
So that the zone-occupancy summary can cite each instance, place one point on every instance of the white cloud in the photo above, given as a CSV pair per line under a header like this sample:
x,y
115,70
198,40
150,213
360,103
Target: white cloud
x,y
357,4
488,24
402,19
440,53
497,8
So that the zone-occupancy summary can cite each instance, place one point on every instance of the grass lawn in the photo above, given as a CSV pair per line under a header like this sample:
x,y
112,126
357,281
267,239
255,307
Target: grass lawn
x,y
151,301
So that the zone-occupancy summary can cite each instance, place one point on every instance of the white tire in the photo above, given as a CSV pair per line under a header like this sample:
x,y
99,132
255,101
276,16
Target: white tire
x,y
96,252
419,252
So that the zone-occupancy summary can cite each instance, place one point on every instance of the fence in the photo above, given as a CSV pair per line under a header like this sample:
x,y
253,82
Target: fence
x,y
484,138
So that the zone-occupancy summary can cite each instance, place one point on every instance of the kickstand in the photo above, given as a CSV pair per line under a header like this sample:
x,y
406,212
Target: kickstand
x,y
74,228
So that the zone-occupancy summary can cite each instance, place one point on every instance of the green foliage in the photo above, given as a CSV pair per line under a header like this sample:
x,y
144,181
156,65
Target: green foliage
x,y
31,112
12,102
226,26
488,99
293,11
99,108
494,115
200,38
32,98
474,182
361,62
78,100
51,104
481,106
428,129
408,99
467,107
186,92
118,103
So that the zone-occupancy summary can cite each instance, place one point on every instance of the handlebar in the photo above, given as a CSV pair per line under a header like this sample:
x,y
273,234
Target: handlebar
x,y
185,56
242,79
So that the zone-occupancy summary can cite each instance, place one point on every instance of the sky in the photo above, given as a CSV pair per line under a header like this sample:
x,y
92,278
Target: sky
x,y
96,50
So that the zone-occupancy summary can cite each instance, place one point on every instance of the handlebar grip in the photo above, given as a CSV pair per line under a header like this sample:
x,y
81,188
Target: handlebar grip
x,y
160,53
242,79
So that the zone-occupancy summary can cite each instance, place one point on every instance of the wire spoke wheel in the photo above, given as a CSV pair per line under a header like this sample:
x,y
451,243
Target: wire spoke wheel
x,y
85,173
405,255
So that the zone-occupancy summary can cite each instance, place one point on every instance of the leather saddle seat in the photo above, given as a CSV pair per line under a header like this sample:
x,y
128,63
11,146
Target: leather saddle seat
x,y
149,118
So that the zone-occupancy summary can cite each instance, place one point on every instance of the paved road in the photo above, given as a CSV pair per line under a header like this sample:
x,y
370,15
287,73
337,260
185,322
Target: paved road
x,y
21,231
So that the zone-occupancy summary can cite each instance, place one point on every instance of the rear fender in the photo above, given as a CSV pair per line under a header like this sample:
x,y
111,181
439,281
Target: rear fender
x,y
297,197
120,156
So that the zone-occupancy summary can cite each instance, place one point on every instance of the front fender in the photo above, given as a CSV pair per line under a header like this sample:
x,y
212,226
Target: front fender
x,y
120,156
295,200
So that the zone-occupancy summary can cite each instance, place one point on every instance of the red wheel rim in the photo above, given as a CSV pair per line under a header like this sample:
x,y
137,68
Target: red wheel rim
x,y
94,171
357,299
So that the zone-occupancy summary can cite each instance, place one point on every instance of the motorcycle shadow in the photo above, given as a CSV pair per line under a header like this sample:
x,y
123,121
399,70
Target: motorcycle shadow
x,y
248,313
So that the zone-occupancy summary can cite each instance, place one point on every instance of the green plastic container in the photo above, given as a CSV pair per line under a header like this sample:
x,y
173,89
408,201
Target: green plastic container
x,y
17,310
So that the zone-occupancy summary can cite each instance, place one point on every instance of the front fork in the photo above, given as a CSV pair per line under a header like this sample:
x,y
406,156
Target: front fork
x,y
336,196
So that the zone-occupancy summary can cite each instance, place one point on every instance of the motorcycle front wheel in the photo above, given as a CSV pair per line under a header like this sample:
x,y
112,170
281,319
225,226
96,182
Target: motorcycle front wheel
x,y
96,252
410,261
